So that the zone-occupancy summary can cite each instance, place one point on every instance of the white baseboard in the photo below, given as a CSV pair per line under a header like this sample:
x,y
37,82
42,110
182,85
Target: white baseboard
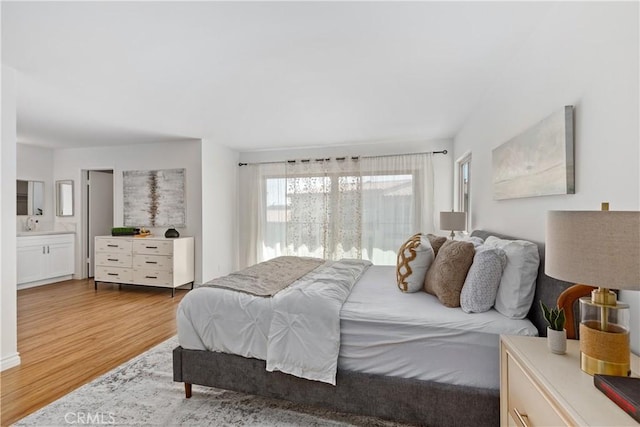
x,y
44,282
9,361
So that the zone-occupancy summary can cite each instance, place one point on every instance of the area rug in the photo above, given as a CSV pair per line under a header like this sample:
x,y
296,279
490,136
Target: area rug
x,y
142,392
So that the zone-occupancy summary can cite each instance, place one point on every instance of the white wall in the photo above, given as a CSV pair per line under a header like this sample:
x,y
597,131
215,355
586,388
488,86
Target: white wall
x,y
442,164
68,164
219,210
8,305
36,164
211,183
589,61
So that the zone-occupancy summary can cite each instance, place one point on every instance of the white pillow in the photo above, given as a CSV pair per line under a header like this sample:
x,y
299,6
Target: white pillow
x,y
518,282
414,259
481,285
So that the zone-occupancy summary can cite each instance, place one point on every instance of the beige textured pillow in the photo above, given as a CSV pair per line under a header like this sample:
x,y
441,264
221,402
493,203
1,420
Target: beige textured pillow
x,y
414,258
436,242
445,277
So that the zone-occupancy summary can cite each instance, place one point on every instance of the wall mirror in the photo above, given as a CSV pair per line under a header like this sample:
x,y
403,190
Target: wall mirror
x,y
64,198
29,197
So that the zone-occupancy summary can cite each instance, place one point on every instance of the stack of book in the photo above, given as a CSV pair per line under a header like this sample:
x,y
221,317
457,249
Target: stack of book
x,y
624,391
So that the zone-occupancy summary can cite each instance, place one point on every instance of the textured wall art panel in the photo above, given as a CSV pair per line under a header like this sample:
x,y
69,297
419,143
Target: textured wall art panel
x,y
538,162
154,198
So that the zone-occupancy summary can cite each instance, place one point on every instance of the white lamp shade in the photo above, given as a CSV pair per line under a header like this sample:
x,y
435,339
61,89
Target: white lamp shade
x,y
454,221
597,248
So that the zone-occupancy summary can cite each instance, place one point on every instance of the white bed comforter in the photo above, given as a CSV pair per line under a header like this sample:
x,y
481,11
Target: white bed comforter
x,y
299,327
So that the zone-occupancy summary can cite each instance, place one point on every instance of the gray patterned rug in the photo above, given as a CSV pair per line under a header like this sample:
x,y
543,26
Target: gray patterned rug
x,y
142,392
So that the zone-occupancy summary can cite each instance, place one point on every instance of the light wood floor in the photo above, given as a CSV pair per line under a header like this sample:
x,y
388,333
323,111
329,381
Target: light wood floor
x,y
69,334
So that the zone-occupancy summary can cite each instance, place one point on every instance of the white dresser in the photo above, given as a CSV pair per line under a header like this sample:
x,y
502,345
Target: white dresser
x,y
44,258
148,261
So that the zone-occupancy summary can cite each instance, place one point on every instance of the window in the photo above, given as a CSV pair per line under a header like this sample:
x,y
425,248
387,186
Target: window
x,y
388,215
464,187
335,208
364,217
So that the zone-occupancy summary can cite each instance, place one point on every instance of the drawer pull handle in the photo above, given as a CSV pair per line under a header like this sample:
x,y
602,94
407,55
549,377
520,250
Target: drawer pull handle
x,y
112,259
150,277
523,419
151,247
112,246
151,262
112,274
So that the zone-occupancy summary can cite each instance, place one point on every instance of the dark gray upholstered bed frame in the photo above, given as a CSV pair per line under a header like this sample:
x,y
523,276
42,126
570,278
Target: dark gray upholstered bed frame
x,y
405,400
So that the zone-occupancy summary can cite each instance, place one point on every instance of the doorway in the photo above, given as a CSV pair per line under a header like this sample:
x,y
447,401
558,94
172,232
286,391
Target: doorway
x,y
98,212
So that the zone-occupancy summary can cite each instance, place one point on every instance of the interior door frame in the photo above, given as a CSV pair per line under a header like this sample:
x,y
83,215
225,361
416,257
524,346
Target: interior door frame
x,y
84,232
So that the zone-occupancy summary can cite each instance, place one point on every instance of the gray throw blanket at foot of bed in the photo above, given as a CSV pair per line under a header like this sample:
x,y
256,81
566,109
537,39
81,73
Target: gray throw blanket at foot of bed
x,y
268,278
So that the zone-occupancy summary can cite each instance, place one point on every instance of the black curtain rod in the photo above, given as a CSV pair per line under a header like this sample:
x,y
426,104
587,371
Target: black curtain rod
x,y
343,158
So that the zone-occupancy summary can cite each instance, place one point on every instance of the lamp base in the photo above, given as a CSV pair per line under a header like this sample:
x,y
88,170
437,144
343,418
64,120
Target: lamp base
x,y
594,366
604,352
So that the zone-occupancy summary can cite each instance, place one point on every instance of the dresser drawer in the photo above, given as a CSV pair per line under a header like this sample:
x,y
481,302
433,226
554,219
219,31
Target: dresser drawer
x,y
113,259
152,247
527,404
113,245
113,274
153,277
154,262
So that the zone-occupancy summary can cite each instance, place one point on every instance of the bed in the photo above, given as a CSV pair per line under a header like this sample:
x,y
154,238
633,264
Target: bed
x,y
427,377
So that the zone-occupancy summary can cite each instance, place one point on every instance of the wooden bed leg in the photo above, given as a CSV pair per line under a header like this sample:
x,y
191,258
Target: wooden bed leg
x,y
187,390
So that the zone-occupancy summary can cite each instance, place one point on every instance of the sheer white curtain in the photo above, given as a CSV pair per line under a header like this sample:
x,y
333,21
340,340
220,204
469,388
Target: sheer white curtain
x,y
335,208
323,208
397,194
261,207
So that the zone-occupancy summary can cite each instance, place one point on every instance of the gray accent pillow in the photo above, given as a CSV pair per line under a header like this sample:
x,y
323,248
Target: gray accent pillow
x,y
481,285
436,242
477,241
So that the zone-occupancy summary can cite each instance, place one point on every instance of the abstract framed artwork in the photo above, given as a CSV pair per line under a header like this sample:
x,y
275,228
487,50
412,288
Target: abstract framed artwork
x,y
154,198
537,162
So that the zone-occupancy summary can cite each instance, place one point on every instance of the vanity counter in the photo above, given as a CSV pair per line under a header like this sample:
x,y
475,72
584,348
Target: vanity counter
x,y
43,233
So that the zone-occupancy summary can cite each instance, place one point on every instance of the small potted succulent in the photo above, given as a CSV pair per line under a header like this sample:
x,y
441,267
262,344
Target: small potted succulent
x,y
556,333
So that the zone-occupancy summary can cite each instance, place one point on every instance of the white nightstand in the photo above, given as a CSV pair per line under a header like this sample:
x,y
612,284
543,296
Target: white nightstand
x,y
539,388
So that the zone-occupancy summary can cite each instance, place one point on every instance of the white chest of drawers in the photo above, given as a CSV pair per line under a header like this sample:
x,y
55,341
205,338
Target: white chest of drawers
x,y
148,261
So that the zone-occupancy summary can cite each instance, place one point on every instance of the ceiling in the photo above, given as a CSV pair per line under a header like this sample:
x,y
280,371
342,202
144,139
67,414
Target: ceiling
x,y
255,75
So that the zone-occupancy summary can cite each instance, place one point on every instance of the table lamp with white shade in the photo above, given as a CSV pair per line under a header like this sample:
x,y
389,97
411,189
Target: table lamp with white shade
x,y
454,221
602,249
